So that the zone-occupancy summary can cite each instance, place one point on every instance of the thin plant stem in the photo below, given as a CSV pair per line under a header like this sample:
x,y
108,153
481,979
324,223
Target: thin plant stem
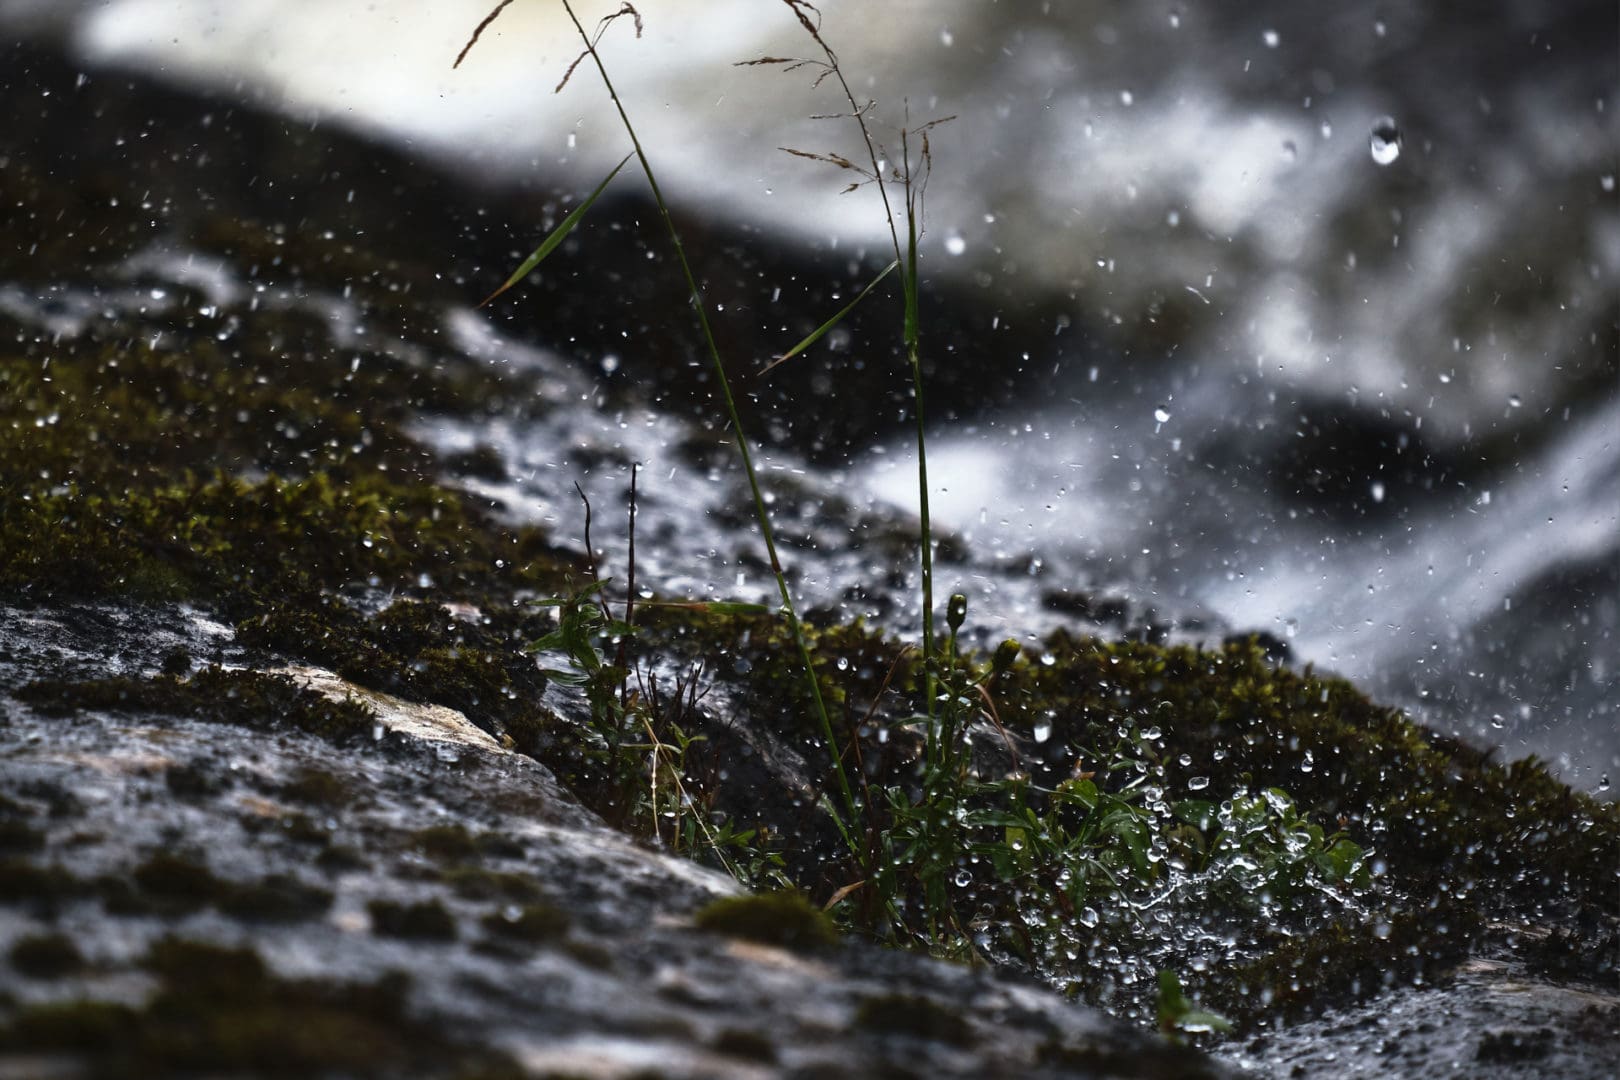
x,y
908,258
760,511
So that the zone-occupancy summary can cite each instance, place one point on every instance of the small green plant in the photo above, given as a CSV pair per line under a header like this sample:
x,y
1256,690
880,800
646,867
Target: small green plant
x,y
956,848
1178,1016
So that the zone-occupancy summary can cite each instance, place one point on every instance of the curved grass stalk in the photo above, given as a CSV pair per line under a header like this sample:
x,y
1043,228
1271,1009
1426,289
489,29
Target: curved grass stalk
x,y
788,609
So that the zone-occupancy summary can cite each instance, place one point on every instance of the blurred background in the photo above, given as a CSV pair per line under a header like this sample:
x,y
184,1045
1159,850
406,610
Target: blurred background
x,y
1302,316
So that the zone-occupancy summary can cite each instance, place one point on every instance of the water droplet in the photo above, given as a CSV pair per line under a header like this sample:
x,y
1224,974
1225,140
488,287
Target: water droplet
x,y
1126,97
1385,141
946,38
1326,128
963,879
1271,38
954,244
1379,28
1607,180
610,364
1514,401
1162,415
1197,783
1042,730
1377,492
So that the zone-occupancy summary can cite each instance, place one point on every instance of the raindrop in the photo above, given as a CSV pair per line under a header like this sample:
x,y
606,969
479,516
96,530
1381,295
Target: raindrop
x,y
1290,152
1197,783
1162,415
1126,97
1326,129
1385,141
1042,730
946,38
1514,401
954,244
1607,181
963,879
1377,492
1271,38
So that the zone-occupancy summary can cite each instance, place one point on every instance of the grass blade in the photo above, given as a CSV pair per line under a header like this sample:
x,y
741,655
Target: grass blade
x,y
818,332
557,235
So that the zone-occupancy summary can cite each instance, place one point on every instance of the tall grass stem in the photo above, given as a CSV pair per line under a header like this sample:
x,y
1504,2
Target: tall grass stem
x,y
788,609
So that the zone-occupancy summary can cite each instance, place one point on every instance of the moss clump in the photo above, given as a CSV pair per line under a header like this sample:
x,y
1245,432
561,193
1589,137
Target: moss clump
x,y
417,651
46,956
531,924
1446,813
173,884
747,1045
1347,960
18,837
246,698
457,843
317,787
277,898
220,1010
426,920
914,1016
785,919
476,883
42,887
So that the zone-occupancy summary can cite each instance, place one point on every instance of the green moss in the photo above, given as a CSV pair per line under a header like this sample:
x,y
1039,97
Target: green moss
x,y
1346,960
532,924
173,884
220,1010
746,1044
786,919
26,883
277,898
1445,812
915,1016
457,843
417,651
46,956
451,842
476,883
317,787
245,698
426,920
18,837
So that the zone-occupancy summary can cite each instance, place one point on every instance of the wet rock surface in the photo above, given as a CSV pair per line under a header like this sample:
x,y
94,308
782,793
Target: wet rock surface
x,y
180,894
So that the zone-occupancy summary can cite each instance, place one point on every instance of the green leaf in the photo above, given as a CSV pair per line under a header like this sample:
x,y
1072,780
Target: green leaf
x,y
1197,812
817,334
1083,792
557,235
